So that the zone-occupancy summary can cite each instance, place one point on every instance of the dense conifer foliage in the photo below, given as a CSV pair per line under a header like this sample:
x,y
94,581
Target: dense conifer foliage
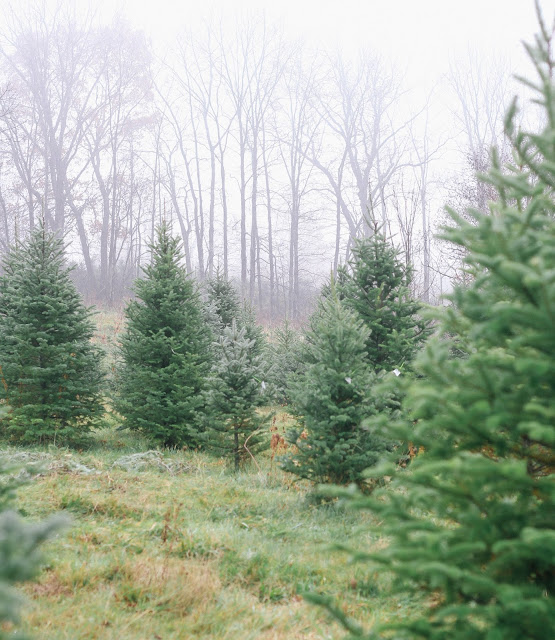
x,y
332,398
284,352
51,378
224,299
472,524
376,284
165,350
235,390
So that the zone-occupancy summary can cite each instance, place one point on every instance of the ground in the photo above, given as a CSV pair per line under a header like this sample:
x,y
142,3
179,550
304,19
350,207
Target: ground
x,y
175,545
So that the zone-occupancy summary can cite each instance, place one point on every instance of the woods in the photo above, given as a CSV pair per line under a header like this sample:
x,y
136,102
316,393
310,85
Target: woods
x,y
265,154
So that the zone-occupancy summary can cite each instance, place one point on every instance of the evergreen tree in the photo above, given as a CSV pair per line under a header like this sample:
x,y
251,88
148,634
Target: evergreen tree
x,y
376,285
285,354
473,522
233,395
165,350
331,399
253,331
51,377
224,298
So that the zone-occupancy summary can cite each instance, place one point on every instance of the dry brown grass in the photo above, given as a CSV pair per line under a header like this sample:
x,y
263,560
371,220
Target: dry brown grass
x,y
50,586
177,586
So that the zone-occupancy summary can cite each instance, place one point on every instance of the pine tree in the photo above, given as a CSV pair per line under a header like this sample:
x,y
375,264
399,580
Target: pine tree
x,y
473,523
331,399
253,331
284,352
51,377
224,298
20,556
165,350
234,392
376,285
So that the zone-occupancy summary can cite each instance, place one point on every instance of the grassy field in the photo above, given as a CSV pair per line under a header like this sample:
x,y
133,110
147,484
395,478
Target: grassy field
x,y
174,545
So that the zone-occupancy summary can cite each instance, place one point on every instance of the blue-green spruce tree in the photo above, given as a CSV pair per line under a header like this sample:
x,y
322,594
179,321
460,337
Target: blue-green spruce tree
x,y
236,430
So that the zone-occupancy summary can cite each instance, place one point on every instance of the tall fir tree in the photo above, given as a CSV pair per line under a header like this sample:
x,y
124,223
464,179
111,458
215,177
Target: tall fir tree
x,y
51,376
235,391
376,285
472,524
330,397
165,350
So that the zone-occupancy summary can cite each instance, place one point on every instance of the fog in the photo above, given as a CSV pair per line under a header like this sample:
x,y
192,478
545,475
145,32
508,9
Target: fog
x,y
268,139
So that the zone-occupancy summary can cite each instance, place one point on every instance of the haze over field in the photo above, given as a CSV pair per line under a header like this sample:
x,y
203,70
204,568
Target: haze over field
x,y
265,133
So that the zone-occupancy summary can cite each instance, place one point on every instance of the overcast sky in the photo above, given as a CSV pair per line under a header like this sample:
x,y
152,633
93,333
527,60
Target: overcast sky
x,y
422,34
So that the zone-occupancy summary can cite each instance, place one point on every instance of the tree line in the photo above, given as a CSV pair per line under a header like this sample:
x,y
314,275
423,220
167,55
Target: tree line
x,y
265,155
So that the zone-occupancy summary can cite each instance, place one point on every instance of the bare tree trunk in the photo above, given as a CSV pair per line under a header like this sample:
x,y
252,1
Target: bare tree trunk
x,y
270,231
254,219
224,212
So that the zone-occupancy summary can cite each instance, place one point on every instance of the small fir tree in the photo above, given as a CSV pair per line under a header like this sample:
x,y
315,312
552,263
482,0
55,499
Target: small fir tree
x,y
253,331
226,305
51,377
284,352
224,299
331,399
20,556
235,390
165,350
376,285
473,523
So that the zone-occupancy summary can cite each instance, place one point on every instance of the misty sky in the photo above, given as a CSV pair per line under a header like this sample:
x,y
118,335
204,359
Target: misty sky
x,y
422,35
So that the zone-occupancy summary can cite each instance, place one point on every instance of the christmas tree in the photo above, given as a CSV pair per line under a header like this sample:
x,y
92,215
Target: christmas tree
x,y
330,396
284,352
376,285
235,390
224,299
253,331
472,524
165,350
51,377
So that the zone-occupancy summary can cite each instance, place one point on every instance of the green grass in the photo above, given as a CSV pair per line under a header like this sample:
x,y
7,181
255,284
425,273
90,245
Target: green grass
x,y
178,546
187,549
